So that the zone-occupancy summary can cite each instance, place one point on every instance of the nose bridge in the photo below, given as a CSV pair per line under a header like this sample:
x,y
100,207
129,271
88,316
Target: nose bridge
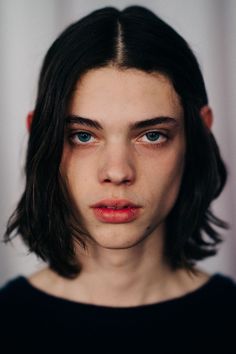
x,y
117,163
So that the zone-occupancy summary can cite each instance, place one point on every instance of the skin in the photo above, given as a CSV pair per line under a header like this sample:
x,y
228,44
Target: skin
x,y
124,264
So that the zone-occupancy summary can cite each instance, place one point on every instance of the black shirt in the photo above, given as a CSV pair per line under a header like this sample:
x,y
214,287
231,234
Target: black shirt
x,y
202,321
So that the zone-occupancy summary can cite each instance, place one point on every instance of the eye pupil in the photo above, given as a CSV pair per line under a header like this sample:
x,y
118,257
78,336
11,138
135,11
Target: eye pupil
x,y
153,136
83,136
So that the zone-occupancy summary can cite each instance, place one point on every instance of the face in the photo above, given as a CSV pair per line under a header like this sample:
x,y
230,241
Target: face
x,y
118,157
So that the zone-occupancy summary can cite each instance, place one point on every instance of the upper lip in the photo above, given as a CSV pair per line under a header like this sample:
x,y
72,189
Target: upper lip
x,y
116,203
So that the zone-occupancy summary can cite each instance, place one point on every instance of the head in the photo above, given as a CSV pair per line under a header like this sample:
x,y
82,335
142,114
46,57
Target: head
x,y
129,66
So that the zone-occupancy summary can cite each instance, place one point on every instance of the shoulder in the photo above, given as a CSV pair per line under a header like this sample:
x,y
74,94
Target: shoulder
x,y
223,283
11,285
13,300
12,290
24,287
220,291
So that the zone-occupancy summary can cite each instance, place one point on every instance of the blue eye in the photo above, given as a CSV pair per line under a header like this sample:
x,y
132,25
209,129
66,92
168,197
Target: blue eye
x,y
153,136
83,137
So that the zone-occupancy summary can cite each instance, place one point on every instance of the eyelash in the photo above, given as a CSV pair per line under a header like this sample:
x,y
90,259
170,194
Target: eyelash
x,y
73,136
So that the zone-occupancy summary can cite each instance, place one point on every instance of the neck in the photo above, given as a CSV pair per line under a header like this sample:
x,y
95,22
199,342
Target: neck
x,y
123,277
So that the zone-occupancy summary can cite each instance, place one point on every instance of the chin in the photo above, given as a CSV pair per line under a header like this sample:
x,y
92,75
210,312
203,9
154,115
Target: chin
x,y
116,241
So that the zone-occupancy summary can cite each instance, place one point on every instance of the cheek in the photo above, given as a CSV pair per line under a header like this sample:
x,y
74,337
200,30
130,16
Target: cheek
x,y
75,173
164,179
173,171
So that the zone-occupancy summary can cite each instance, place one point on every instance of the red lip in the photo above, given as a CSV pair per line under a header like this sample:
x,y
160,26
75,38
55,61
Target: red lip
x,y
124,211
118,203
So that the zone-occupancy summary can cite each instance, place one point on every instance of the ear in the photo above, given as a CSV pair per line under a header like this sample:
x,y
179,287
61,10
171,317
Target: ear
x,y
29,119
207,116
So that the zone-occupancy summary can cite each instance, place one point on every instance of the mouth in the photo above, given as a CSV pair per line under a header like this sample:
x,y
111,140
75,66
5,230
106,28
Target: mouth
x,y
115,204
116,211
114,207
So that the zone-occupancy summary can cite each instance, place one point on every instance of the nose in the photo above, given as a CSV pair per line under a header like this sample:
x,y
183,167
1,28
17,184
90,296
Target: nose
x,y
117,165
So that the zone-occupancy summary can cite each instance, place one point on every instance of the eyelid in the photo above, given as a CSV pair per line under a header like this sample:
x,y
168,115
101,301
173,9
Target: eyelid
x,y
72,133
160,131
164,133
76,131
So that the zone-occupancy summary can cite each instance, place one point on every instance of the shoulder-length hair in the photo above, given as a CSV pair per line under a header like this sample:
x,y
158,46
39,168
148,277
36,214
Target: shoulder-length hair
x,y
132,38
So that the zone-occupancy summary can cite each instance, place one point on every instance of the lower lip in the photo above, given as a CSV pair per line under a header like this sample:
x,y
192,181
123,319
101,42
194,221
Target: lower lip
x,y
116,215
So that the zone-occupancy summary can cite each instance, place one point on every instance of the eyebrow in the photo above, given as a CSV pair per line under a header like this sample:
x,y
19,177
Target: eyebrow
x,y
133,126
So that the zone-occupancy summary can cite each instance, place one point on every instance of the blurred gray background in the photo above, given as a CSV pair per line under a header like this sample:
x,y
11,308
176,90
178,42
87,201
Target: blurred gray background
x,y
27,29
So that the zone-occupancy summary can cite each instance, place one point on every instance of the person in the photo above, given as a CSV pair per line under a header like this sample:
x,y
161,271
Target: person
x,y
121,171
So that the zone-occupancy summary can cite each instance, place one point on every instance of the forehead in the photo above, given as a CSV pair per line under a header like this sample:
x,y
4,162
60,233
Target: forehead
x,y
124,94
